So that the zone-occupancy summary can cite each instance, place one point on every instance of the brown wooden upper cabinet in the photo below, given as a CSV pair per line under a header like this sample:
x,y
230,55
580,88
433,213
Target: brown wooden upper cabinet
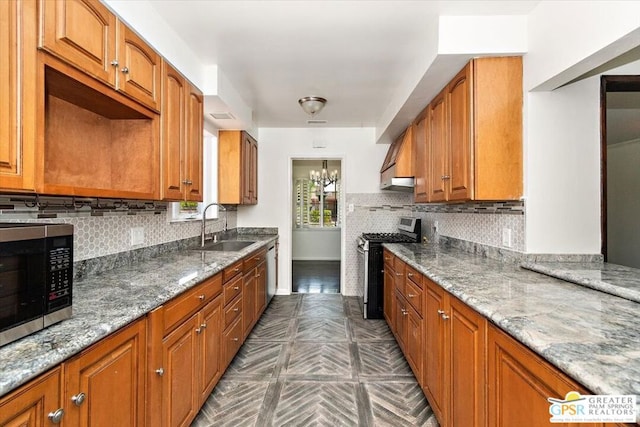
x,y
237,168
17,118
87,35
181,141
471,147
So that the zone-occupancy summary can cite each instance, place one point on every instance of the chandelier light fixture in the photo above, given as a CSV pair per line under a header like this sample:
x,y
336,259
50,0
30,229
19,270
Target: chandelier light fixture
x,y
312,104
323,178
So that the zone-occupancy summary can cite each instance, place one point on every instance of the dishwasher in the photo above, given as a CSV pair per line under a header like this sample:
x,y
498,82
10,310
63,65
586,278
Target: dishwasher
x,y
272,280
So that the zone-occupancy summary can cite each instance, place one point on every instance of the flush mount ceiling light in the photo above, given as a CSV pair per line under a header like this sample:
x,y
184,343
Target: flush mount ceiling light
x,y
312,104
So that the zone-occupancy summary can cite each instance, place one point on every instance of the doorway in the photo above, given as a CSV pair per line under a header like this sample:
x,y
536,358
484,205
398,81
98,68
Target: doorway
x,y
620,154
316,227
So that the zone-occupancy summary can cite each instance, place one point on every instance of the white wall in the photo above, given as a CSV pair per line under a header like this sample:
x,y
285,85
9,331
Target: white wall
x,y
570,38
361,161
562,127
623,203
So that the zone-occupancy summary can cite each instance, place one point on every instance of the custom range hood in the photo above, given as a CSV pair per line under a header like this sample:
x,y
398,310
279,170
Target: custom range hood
x,y
397,173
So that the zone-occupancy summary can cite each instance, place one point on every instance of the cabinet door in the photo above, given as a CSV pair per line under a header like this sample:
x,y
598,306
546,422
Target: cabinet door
x,y
435,350
31,404
83,33
173,133
210,349
389,296
139,68
180,381
415,338
246,168
520,382
17,118
261,289
421,157
459,147
194,141
109,375
401,321
467,375
438,176
248,301
253,180
231,341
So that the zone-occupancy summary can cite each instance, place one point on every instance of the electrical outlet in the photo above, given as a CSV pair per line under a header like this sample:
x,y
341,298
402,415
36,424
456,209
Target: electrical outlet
x,y
351,207
506,237
435,227
137,235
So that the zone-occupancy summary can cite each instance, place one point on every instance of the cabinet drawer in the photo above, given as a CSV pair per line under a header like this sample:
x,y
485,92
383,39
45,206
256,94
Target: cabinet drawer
x,y
254,259
231,341
231,271
232,311
232,289
414,275
388,258
399,277
413,293
189,302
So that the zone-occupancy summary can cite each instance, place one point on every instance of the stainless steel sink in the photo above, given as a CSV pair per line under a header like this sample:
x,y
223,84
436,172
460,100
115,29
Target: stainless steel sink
x,y
227,245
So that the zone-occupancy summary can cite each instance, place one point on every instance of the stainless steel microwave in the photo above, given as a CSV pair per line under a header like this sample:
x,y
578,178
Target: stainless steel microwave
x,y
36,277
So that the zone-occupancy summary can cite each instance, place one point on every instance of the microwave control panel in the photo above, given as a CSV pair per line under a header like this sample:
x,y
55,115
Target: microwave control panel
x,y
60,274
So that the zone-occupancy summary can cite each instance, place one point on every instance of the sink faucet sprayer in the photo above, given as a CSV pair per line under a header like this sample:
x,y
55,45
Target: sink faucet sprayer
x,y
204,221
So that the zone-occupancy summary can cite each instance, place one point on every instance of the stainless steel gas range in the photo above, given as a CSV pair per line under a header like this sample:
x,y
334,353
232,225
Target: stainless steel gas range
x,y
371,264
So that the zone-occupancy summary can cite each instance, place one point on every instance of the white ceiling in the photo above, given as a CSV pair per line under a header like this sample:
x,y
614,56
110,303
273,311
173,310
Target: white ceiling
x,y
354,53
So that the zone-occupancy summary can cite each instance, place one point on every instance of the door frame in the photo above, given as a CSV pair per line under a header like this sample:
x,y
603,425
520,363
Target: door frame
x,y
609,83
341,208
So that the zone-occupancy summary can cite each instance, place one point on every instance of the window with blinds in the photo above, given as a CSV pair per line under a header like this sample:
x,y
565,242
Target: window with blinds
x,y
316,207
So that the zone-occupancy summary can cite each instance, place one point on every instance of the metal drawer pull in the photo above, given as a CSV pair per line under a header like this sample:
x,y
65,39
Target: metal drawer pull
x,y
411,295
440,312
160,372
258,275
198,330
114,63
444,316
235,288
410,274
203,326
236,269
398,274
125,70
201,297
78,399
446,177
235,339
56,416
236,309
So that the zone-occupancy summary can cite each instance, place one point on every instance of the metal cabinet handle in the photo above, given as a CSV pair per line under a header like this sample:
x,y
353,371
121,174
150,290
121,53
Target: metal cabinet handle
x,y
444,316
410,274
203,326
446,177
235,310
201,297
257,274
78,399
160,372
411,295
125,70
198,330
236,269
114,63
235,339
235,288
398,274
56,416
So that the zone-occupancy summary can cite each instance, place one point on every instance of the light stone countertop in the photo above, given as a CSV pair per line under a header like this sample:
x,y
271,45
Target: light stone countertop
x,y
593,337
104,303
602,276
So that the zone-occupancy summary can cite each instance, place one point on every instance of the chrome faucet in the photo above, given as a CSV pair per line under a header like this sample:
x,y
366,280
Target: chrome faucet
x,y
204,221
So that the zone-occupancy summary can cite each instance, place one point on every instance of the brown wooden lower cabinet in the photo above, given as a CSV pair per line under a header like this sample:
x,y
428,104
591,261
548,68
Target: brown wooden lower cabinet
x,y
32,404
105,384
520,382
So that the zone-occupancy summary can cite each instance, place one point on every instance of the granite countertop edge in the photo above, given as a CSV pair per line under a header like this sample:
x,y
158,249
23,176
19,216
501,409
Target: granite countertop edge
x,y
606,361
551,269
152,283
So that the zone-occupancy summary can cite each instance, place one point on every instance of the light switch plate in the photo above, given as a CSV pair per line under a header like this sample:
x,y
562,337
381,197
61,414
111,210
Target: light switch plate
x,y
137,236
506,237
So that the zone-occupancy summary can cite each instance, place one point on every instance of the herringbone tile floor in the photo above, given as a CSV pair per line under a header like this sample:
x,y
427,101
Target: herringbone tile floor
x,y
313,361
